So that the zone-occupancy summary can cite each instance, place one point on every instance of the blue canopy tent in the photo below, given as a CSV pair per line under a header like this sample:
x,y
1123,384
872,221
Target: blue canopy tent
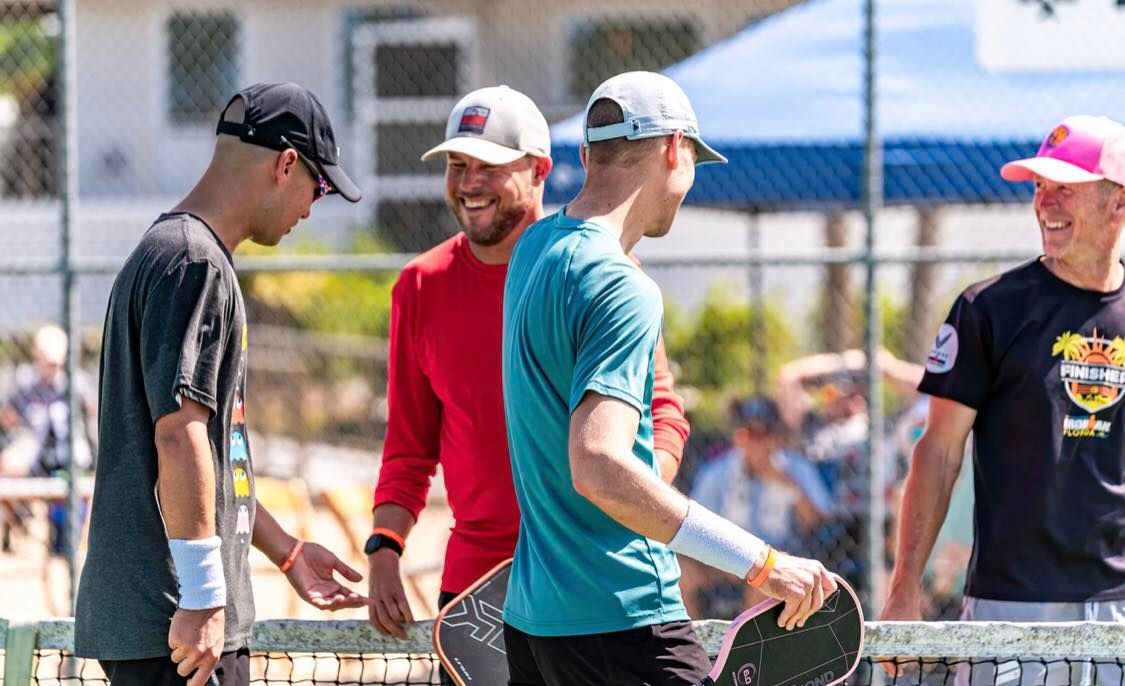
x,y
783,100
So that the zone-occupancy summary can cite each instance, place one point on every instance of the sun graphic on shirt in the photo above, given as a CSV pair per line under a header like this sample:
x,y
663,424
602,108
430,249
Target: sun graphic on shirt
x,y
1093,368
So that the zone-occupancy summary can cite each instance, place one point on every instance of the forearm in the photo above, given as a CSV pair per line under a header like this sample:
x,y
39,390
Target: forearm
x,y
668,465
186,481
633,496
394,517
269,537
670,427
925,504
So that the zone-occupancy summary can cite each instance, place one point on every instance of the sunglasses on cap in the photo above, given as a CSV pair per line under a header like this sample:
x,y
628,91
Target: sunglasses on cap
x,y
323,188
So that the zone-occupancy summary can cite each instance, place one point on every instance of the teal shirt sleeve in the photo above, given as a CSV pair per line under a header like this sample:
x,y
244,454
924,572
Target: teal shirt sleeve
x,y
616,315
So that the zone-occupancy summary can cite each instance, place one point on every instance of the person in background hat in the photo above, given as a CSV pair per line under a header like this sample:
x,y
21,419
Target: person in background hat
x,y
1032,362
444,395
39,405
593,596
761,485
35,427
165,593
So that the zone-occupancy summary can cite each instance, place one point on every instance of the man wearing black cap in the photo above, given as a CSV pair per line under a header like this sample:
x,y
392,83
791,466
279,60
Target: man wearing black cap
x,y
165,594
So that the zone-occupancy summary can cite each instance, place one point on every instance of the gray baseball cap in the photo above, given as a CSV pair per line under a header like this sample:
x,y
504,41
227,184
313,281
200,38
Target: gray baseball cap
x,y
653,105
496,125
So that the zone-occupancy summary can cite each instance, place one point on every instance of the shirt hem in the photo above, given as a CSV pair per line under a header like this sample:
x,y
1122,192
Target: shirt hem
x,y
573,628
609,392
1037,597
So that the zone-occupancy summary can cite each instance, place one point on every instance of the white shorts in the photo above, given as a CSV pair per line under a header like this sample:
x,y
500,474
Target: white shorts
x,y
1054,673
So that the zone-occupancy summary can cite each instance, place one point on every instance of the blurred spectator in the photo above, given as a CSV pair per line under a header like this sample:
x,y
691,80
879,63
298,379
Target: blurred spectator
x,y
823,397
34,421
764,488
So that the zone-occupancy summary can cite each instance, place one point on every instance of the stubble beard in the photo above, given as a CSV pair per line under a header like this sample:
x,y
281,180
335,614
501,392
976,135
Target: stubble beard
x,y
501,227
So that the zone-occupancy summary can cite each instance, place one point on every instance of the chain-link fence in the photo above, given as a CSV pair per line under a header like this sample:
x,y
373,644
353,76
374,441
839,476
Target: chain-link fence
x,y
765,268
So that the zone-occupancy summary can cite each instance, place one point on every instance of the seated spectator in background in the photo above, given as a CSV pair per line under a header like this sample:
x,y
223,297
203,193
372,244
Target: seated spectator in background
x,y
763,487
34,421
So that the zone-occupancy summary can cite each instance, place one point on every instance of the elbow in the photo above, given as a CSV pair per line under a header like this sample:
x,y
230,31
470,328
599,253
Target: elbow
x,y
585,486
587,480
170,438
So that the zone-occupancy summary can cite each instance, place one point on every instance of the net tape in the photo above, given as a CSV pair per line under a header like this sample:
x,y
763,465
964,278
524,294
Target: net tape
x,y
315,653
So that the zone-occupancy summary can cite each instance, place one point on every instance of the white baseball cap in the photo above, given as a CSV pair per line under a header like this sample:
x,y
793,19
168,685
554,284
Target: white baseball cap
x,y
653,105
496,125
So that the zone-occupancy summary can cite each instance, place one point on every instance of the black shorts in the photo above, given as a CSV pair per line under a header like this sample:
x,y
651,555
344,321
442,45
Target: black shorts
x,y
659,655
232,669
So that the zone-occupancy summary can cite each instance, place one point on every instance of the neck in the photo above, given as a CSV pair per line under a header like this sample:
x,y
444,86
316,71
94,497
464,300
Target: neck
x,y
619,201
501,252
1103,273
225,212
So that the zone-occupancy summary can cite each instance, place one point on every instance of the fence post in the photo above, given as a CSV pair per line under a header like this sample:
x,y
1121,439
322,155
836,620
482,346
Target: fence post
x,y
19,651
872,201
68,199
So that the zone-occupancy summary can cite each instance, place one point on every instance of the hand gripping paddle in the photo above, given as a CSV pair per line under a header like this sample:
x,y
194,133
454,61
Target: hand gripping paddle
x,y
757,652
469,640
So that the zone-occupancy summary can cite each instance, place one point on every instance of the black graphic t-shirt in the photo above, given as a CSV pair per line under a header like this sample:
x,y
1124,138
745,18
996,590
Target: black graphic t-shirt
x,y
175,328
1043,363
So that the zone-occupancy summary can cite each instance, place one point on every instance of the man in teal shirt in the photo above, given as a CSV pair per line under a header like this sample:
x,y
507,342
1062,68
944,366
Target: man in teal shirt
x,y
593,596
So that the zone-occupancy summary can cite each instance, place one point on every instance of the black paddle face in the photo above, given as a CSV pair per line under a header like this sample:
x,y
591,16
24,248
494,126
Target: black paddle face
x,y
822,653
469,632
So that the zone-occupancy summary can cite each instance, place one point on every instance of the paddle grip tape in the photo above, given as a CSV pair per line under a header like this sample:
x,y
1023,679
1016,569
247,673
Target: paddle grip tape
x,y
199,567
716,542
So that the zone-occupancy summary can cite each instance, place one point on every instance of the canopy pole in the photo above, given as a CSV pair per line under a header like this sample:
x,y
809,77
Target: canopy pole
x,y
872,201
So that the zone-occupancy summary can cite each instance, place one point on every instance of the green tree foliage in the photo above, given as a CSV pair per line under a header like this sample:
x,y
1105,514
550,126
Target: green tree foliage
x,y
28,57
357,303
717,354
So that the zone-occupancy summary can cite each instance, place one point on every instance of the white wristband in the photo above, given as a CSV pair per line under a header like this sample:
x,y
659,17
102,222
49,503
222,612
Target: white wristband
x,y
716,542
199,567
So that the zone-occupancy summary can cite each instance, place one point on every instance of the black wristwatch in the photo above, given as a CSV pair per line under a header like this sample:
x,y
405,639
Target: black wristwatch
x,y
378,540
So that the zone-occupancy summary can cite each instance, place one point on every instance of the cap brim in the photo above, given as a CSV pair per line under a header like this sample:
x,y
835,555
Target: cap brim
x,y
705,154
341,182
485,151
1049,168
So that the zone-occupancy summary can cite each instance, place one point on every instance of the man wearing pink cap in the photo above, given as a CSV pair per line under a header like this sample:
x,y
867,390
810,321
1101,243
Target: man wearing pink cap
x,y
1033,363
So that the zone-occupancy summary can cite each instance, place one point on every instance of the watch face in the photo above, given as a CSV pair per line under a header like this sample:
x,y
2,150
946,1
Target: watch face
x,y
375,542
378,541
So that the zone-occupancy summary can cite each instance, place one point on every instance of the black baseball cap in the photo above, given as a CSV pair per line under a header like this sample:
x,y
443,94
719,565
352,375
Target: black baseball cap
x,y
277,111
759,412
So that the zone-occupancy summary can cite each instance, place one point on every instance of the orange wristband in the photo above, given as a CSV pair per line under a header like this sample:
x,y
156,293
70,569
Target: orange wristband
x,y
393,535
292,556
764,572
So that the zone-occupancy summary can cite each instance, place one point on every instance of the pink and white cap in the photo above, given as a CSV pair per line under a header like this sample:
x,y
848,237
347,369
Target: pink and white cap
x,y
1081,148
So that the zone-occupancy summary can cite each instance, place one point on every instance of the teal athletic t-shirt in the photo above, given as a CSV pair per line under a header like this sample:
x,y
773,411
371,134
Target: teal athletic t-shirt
x,y
579,317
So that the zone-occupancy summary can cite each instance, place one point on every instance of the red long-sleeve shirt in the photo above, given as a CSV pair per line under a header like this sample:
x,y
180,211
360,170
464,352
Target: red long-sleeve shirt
x,y
445,403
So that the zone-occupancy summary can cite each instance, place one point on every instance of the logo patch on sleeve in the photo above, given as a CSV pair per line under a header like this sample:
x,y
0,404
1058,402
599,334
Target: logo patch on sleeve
x,y
944,351
473,120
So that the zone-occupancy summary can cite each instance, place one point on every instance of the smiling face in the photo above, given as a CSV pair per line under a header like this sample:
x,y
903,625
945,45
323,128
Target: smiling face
x,y
490,201
1079,221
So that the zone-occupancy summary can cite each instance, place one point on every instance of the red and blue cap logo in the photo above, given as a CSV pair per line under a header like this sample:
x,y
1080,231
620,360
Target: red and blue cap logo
x,y
473,120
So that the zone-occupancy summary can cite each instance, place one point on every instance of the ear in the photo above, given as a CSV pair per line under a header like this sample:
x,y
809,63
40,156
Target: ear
x,y
740,437
583,150
672,149
542,169
1117,202
285,164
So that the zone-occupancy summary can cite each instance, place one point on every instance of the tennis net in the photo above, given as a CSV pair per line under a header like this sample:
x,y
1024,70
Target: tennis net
x,y
319,653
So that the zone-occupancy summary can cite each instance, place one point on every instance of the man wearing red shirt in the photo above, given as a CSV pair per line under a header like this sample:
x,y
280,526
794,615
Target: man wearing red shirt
x,y
444,393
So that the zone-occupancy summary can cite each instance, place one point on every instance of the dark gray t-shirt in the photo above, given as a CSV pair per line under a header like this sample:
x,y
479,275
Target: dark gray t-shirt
x,y
175,327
